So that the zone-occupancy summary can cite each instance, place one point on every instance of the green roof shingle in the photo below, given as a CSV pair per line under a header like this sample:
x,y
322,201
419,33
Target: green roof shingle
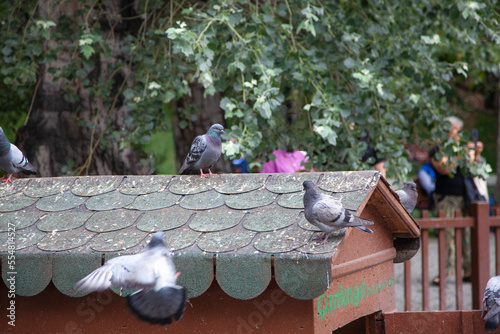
x,y
237,222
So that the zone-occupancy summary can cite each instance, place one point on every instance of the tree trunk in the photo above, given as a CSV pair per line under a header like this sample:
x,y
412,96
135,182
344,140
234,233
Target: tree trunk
x,y
209,113
54,136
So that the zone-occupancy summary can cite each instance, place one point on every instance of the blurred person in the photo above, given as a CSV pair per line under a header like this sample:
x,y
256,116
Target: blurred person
x,y
450,195
427,180
285,162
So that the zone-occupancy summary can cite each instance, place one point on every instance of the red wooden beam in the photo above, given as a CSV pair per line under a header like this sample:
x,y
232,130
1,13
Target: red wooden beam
x,y
425,270
480,252
442,270
408,285
460,222
458,269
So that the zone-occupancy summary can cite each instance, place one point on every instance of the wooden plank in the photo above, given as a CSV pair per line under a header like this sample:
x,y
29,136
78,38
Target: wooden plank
x,y
461,222
403,221
425,270
459,292
442,269
495,220
456,322
480,252
408,285
342,269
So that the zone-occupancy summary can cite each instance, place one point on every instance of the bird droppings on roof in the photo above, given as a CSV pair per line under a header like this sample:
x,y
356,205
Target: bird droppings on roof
x,y
247,218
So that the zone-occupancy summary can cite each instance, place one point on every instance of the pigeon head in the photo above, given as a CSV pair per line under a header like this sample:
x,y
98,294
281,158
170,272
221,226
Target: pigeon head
x,y
156,240
411,186
216,130
309,185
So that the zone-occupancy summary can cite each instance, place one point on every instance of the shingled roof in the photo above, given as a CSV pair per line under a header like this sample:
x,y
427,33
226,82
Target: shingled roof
x,y
236,227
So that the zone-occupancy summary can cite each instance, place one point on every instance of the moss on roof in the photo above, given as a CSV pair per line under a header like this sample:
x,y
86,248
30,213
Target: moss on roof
x,y
65,225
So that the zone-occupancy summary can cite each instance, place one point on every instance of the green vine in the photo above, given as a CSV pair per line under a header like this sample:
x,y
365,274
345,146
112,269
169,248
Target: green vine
x,y
295,74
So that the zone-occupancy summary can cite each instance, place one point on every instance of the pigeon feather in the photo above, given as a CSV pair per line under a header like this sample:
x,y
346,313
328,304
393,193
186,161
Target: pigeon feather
x,y
153,272
408,196
491,303
204,152
328,214
12,160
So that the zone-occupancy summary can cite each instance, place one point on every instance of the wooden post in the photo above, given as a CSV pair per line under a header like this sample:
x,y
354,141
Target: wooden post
x,y
442,265
480,251
408,285
458,264
442,269
425,265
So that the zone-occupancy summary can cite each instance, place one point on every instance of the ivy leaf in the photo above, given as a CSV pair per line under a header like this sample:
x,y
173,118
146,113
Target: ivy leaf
x,y
87,51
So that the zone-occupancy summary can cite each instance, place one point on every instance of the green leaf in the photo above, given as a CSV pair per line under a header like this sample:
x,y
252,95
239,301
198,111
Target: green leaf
x,y
87,51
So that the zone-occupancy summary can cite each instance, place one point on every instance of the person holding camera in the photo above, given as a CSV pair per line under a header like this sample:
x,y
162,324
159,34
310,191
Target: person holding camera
x,y
450,195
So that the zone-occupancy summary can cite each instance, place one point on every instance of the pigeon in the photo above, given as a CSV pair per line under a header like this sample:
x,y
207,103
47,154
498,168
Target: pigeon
x,y
153,272
491,301
408,196
12,160
328,213
204,152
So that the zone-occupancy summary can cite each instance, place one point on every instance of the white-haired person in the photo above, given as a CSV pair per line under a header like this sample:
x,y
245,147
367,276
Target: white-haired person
x,y
450,195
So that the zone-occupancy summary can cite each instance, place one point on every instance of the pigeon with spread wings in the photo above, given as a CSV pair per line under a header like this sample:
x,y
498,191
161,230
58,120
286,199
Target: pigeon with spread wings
x,y
153,272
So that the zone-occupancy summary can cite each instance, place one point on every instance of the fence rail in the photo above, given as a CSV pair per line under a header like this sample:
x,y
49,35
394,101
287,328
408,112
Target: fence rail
x,y
479,222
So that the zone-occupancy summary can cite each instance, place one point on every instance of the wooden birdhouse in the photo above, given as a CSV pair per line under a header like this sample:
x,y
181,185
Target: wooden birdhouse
x,y
245,252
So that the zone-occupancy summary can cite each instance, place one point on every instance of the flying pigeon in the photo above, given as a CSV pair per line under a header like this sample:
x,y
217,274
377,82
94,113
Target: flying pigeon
x,y
204,152
153,272
328,213
12,160
491,301
408,196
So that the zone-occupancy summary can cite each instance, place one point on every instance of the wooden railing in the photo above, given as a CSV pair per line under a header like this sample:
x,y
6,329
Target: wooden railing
x,y
480,222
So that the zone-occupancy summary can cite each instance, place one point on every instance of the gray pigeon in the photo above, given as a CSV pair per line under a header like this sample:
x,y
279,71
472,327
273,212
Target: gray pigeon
x,y
204,152
491,301
408,196
153,272
12,160
328,213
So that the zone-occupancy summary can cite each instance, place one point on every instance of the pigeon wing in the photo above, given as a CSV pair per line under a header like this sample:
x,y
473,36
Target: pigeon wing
x,y
327,211
198,146
128,271
158,307
492,297
20,162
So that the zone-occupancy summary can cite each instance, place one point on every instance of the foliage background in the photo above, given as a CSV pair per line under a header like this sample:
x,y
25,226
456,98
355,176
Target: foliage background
x,y
303,75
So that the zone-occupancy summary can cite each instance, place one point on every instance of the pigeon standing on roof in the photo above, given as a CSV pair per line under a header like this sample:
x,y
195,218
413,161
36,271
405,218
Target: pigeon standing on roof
x,y
12,160
328,213
408,196
204,152
153,272
491,301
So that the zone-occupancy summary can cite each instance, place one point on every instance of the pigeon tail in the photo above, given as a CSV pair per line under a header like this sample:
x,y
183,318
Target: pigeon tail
x,y
491,324
363,228
185,169
158,307
29,170
359,223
